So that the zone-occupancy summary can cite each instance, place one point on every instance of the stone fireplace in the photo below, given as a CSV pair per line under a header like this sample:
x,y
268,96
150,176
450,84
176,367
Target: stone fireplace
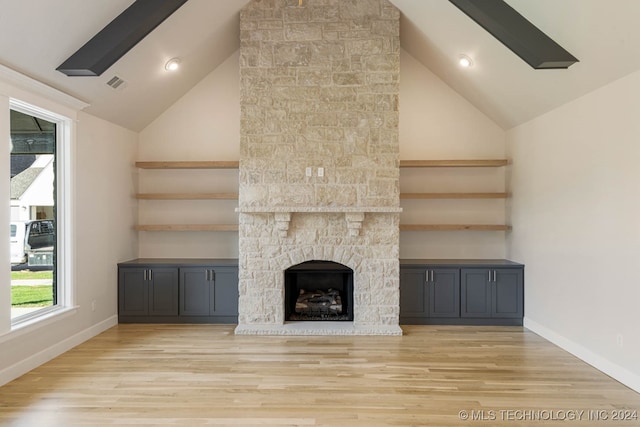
x,y
319,158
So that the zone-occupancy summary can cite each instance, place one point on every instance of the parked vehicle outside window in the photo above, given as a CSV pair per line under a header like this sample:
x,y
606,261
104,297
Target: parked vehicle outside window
x,y
18,231
33,242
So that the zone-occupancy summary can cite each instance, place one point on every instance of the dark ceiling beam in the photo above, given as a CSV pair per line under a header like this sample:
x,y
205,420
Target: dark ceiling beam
x,y
517,33
118,37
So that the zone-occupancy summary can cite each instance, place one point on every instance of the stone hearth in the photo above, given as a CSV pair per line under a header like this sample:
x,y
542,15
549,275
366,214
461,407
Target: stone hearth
x,y
319,89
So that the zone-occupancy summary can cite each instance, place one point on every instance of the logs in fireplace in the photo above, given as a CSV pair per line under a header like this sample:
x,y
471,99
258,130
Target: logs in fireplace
x,y
319,303
319,290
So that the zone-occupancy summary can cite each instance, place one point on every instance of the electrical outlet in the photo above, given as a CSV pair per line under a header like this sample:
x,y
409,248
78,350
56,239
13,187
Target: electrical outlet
x,y
308,171
93,305
320,172
620,340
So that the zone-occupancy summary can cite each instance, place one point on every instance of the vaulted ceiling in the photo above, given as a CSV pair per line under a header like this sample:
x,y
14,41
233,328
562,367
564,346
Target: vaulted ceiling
x,y
36,36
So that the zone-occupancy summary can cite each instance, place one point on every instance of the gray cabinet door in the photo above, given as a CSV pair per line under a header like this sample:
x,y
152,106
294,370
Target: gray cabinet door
x,y
209,291
223,291
163,291
148,291
475,289
492,292
429,292
508,290
133,292
413,293
194,291
444,292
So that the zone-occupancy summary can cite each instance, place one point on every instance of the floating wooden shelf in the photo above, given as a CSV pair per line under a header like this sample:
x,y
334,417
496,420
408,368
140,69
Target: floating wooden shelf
x,y
188,227
234,164
223,164
454,195
403,164
454,227
403,227
187,196
452,163
234,196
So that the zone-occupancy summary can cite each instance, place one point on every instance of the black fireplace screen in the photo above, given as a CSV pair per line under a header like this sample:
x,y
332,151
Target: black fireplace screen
x,y
319,290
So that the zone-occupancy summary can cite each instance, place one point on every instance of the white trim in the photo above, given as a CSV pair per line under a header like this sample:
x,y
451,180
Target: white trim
x,y
25,324
27,83
613,370
34,110
65,250
18,369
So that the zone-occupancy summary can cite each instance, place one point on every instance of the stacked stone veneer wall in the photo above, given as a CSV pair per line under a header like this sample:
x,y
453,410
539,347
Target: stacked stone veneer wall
x,y
319,89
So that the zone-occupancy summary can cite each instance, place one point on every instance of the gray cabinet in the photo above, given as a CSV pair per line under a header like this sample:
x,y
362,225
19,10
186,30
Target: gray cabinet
x,y
148,291
429,293
178,291
461,292
209,291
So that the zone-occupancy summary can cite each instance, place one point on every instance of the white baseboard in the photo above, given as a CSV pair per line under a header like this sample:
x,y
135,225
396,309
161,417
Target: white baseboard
x,y
616,372
16,370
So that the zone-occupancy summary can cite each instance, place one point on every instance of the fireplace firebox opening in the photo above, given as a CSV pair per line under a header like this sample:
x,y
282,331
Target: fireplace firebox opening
x,y
318,290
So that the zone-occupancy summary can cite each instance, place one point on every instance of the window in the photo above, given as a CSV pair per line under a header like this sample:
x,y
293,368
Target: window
x,y
40,213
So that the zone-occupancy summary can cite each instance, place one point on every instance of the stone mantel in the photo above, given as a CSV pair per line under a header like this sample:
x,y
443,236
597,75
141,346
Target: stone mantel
x,y
353,215
320,209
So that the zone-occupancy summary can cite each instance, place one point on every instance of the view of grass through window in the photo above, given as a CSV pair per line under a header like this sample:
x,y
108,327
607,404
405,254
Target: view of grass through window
x,y
31,289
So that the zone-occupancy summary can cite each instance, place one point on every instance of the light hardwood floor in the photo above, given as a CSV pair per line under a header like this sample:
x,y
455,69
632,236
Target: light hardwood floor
x,y
191,375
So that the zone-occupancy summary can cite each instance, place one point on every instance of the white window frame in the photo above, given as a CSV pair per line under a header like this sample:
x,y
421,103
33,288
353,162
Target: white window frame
x,y
64,215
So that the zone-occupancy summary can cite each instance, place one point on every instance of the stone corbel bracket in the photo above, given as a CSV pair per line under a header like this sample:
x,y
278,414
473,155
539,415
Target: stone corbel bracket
x,y
353,215
282,223
354,222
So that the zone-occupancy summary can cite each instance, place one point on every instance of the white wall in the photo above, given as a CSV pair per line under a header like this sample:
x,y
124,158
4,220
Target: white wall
x,y
5,217
576,217
437,123
203,125
106,212
103,217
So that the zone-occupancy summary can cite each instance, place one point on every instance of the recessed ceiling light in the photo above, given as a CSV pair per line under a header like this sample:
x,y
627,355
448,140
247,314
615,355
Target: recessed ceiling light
x,y
172,64
465,61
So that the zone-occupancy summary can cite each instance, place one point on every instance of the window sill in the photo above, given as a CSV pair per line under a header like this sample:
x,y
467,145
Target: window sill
x,y
30,324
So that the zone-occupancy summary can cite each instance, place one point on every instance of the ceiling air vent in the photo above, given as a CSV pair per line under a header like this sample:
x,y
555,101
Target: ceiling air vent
x,y
117,83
